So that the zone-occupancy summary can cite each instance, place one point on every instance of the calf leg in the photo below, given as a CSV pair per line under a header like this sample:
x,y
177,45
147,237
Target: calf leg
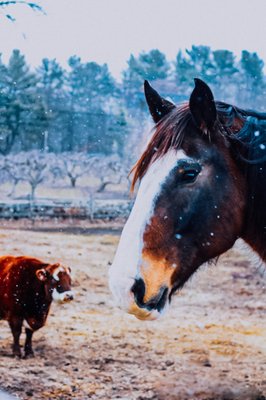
x,y
28,345
15,324
32,325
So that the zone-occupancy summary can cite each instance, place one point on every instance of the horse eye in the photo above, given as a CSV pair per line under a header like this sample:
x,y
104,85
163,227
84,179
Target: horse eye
x,y
189,175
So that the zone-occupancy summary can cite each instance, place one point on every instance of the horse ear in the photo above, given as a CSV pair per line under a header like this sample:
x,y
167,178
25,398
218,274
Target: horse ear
x,y
202,106
158,106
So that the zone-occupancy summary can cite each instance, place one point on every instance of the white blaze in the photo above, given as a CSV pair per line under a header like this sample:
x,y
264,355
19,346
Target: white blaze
x,y
56,272
125,267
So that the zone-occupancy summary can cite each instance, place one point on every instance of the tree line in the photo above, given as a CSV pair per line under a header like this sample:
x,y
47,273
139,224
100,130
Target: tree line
x,y
57,170
82,108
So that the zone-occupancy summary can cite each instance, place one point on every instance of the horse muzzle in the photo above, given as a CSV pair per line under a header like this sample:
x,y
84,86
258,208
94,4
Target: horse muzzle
x,y
142,313
146,295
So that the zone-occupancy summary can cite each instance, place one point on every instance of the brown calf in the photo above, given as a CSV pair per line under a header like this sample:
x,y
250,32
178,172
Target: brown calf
x,y
27,288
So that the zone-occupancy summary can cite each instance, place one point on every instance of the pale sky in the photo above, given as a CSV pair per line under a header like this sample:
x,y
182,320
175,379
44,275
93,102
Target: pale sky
x,y
110,30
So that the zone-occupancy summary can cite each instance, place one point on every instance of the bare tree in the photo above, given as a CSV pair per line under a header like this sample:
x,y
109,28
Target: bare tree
x,y
13,170
31,167
110,171
73,166
35,171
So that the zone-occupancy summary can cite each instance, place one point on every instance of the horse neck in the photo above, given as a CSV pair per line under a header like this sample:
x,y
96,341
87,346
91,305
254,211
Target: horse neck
x,y
254,232
250,152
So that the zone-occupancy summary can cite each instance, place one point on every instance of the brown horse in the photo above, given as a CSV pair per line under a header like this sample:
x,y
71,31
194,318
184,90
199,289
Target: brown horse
x,y
202,186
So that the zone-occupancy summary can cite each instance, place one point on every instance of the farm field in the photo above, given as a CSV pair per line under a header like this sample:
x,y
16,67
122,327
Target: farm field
x,y
210,346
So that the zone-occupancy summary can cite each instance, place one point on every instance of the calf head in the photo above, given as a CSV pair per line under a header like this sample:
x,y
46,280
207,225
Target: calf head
x,y
57,282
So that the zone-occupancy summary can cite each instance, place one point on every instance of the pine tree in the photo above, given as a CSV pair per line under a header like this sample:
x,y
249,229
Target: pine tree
x,y
23,116
184,73
50,80
91,90
252,78
90,84
51,89
201,61
152,66
226,74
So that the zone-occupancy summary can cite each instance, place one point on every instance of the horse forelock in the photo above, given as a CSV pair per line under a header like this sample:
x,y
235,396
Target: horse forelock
x,y
168,134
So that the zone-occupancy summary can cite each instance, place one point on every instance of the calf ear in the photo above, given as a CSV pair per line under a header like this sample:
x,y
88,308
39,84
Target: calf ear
x,y
42,274
158,106
202,106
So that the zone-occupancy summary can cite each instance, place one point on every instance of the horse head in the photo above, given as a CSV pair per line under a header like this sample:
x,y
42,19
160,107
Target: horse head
x,y
190,204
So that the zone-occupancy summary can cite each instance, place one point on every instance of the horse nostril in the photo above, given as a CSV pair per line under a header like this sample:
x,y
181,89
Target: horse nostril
x,y
138,289
155,303
161,299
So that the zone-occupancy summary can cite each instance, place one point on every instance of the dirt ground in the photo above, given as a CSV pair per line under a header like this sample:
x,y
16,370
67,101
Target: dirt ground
x,y
210,346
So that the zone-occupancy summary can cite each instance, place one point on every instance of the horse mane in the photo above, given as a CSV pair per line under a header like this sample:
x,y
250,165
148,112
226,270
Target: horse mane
x,y
169,133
